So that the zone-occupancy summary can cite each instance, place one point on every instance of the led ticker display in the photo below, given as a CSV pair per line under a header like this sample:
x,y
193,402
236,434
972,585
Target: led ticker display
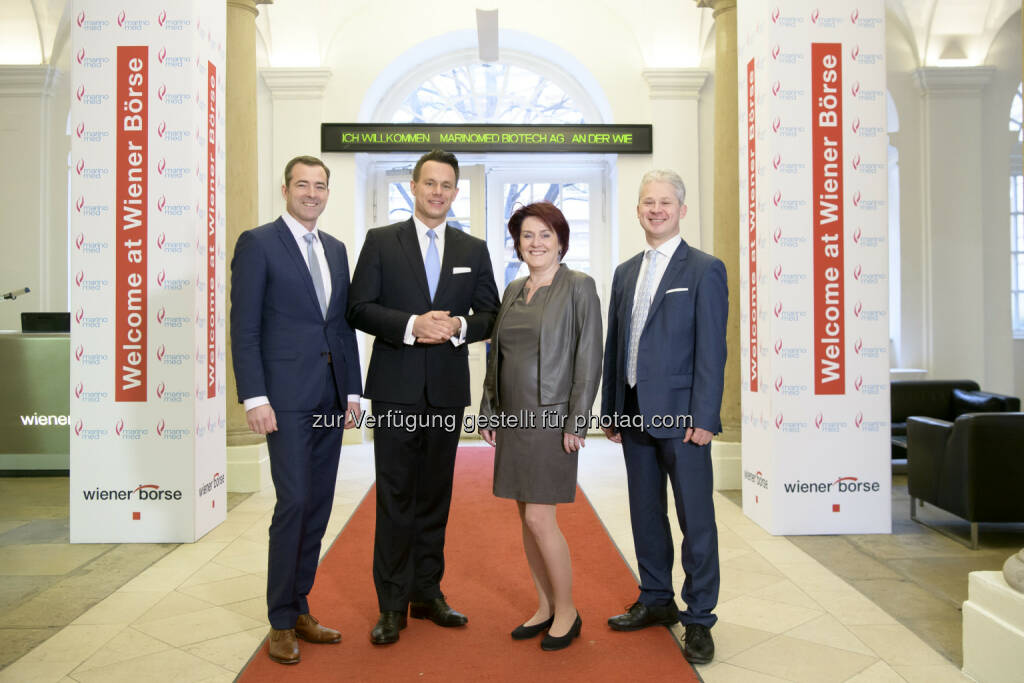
x,y
485,137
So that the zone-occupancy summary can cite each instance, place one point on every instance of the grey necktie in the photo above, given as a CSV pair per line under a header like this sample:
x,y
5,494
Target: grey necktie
x,y
641,306
314,271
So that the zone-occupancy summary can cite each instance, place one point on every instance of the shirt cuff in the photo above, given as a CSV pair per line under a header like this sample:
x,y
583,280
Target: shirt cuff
x,y
461,338
353,398
255,402
409,338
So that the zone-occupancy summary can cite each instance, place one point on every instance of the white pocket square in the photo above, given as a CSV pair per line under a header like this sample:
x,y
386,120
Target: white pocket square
x,y
678,289
459,270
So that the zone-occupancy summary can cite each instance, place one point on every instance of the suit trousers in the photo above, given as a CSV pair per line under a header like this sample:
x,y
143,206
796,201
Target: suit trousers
x,y
649,461
304,467
414,456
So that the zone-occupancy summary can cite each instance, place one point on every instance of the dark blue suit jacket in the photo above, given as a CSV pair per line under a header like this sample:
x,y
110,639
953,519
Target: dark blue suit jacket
x,y
681,359
279,338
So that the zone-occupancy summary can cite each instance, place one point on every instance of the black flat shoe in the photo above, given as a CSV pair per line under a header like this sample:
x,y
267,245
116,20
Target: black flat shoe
x,y
438,611
550,642
387,628
524,632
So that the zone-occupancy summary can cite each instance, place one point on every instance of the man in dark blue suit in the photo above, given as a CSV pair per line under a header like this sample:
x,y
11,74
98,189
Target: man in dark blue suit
x,y
296,367
664,368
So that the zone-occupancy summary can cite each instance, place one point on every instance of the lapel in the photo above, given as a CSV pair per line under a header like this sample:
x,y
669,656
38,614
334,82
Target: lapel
x,y
629,290
673,269
410,243
292,249
448,260
514,291
333,256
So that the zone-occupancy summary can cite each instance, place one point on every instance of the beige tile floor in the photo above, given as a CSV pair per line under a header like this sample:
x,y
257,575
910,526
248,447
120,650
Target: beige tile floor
x,y
196,613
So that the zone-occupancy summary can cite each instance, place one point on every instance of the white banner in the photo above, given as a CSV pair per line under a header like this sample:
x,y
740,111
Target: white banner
x,y
147,267
814,266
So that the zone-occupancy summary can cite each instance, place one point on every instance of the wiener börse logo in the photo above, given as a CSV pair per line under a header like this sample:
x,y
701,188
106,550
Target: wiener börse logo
x,y
142,492
842,484
215,482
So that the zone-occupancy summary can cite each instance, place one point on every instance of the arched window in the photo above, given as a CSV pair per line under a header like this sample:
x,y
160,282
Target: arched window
x,y
520,89
1017,218
488,93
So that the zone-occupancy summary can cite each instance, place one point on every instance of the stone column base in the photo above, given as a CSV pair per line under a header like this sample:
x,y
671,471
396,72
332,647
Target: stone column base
x,y
993,628
727,464
248,468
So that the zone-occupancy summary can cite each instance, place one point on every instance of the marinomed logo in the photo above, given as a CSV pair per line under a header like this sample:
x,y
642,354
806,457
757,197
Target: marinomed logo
x,y
140,492
840,485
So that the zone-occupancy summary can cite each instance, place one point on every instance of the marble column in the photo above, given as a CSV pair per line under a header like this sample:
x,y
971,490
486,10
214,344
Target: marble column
x,y
726,199
954,322
248,463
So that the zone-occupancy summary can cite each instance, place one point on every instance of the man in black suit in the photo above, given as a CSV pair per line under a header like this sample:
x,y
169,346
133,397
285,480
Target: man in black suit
x,y
295,360
414,288
665,362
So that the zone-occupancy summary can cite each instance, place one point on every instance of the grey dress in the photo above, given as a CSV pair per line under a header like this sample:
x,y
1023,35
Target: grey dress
x,y
530,464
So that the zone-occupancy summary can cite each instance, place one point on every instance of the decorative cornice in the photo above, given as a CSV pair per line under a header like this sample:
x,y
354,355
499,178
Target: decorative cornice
x,y
296,83
953,81
35,80
675,84
717,6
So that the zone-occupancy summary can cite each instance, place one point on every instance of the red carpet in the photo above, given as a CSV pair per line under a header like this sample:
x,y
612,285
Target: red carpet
x,y
486,577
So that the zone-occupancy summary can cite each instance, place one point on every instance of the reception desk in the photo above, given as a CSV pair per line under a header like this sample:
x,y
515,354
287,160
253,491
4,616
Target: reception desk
x,y
35,400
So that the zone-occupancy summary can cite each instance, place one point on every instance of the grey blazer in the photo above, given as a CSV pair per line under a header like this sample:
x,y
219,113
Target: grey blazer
x,y
570,347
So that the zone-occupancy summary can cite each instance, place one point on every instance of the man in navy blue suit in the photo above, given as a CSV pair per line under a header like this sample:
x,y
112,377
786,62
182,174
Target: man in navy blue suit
x,y
664,368
296,367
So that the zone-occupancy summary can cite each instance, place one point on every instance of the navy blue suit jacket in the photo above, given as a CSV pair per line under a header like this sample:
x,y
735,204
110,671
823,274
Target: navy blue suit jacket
x,y
681,359
279,338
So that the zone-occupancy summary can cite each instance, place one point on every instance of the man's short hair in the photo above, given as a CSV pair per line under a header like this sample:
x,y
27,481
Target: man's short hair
x,y
305,160
436,155
664,176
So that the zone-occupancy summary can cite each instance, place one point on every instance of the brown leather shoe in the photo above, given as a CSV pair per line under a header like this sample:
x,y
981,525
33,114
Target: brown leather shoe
x,y
310,630
283,647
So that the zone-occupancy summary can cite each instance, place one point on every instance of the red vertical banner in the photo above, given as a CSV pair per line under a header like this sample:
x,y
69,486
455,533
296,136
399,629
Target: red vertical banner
x,y
131,171
211,230
827,164
752,223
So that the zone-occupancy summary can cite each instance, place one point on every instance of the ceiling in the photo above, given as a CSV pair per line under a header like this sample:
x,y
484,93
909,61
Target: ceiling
x,y
668,33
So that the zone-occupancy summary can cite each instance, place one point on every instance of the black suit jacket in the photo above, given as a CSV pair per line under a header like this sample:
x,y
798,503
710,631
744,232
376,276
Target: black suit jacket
x,y
390,285
279,337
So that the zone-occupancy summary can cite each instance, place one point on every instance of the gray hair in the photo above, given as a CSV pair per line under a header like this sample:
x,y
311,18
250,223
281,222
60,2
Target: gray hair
x,y
664,176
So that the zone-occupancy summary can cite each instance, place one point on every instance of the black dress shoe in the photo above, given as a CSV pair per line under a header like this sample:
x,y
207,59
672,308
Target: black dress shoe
x,y
438,611
524,632
640,616
387,628
550,642
698,646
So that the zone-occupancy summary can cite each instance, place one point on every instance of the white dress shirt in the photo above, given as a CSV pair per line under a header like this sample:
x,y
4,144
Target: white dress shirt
x,y
665,251
424,240
298,231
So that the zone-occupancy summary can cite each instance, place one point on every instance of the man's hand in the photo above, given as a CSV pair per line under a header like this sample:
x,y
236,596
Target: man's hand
x,y
433,327
262,419
488,435
353,411
697,436
613,436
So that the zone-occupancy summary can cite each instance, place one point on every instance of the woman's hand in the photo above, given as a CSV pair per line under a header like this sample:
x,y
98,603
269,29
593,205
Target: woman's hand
x,y
572,443
488,435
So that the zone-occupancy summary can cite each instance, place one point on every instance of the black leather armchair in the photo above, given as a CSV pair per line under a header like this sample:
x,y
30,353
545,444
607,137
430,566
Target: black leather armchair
x,y
944,399
972,467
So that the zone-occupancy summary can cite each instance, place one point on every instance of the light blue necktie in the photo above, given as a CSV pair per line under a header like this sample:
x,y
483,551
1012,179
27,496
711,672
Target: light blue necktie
x,y
640,308
314,271
432,264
